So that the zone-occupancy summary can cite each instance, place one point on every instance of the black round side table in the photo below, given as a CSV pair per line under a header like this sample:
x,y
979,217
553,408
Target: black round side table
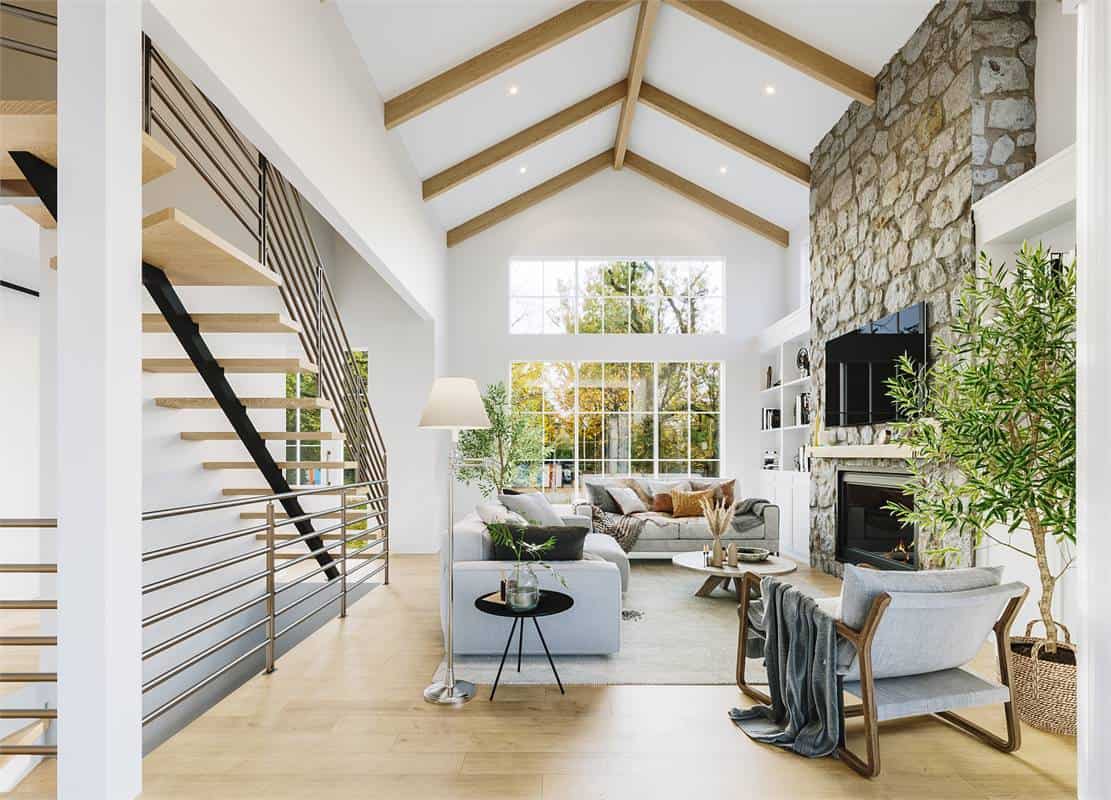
x,y
550,603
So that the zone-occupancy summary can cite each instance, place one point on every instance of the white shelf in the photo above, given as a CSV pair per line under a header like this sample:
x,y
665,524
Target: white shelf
x,y
795,427
1033,203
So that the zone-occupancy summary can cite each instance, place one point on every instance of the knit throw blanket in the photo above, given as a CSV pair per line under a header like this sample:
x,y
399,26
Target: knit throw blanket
x,y
625,530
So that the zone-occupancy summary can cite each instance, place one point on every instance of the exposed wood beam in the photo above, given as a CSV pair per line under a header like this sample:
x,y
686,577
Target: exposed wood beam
x,y
725,133
499,58
782,46
525,200
519,142
649,9
708,199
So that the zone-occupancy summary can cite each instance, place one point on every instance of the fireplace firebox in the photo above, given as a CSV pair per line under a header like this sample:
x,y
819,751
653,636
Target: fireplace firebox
x,y
867,532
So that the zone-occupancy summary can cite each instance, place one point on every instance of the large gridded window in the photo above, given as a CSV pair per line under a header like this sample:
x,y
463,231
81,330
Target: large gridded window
x,y
616,296
620,418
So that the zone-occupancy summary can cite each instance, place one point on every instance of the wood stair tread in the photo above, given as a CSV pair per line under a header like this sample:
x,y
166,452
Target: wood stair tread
x,y
248,402
259,365
32,125
286,436
192,255
282,464
353,494
38,214
229,323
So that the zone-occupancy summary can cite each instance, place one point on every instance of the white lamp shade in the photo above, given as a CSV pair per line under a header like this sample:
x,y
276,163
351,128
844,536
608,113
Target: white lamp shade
x,y
454,403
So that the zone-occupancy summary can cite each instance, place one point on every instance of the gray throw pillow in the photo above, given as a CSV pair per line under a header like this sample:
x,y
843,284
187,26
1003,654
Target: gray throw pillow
x,y
534,507
627,499
569,541
599,496
861,586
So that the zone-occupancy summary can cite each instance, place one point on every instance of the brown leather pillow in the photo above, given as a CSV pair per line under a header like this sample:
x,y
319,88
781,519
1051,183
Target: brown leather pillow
x,y
661,502
689,504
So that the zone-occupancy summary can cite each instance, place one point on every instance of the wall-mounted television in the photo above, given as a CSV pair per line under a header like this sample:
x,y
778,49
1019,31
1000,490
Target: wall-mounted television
x,y
858,364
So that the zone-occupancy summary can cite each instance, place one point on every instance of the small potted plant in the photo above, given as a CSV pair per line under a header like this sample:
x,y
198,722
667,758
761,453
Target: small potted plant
x,y
992,425
522,587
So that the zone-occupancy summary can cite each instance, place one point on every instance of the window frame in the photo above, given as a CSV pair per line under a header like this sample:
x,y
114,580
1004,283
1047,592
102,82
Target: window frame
x,y
578,298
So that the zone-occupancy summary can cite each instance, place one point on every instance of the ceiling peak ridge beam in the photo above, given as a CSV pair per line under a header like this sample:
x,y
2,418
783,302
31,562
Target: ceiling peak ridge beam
x,y
519,142
649,10
707,199
500,57
526,200
726,134
780,45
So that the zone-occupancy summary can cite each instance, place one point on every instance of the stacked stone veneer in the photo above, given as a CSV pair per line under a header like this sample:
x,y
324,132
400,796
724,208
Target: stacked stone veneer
x,y
891,193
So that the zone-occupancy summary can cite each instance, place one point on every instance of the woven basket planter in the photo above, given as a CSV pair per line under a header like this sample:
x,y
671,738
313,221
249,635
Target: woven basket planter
x,y
1045,691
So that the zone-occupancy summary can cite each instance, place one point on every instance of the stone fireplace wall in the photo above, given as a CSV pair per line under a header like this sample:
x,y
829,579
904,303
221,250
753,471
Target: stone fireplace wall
x,y
892,188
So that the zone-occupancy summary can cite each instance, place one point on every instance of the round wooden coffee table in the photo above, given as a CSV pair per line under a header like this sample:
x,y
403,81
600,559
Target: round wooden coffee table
x,y
721,576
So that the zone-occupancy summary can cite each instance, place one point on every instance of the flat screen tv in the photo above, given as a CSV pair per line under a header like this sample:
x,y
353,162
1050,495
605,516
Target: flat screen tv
x,y
858,364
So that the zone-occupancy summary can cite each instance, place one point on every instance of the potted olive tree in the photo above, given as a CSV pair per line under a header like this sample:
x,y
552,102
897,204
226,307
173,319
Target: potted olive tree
x,y
491,457
992,423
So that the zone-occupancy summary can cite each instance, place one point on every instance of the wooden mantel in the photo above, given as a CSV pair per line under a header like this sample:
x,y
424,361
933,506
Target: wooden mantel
x,y
861,451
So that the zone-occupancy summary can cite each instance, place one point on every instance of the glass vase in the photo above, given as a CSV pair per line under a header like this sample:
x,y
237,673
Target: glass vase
x,y
522,589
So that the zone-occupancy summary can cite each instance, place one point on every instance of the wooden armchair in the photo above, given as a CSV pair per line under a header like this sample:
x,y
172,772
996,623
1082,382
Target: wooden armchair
x,y
892,688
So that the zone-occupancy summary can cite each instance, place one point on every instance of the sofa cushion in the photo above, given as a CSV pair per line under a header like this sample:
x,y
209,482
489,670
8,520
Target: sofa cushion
x,y
568,542
607,548
471,540
534,507
689,504
490,513
861,586
658,526
627,500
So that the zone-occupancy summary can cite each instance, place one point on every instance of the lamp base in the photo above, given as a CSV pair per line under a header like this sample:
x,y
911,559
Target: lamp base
x,y
443,695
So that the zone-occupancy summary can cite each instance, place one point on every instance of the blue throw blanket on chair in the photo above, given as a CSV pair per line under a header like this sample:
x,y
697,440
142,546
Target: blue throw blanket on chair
x,y
800,654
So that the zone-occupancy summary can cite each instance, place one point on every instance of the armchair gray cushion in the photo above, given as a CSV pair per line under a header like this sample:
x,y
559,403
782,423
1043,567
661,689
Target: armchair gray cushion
x,y
861,586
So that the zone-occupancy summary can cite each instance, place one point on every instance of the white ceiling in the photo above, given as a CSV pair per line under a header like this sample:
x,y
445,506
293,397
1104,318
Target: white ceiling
x,y
405,42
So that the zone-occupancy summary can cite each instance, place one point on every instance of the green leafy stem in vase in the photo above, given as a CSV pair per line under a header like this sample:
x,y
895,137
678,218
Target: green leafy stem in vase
x,y
527,555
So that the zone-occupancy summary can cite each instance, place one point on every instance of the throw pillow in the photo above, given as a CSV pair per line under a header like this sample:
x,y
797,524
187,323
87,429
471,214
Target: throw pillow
x,y
666,487
599,496
723,489
862,586
627,500
533,507
568,544
662,504
638,486
689,504
490,513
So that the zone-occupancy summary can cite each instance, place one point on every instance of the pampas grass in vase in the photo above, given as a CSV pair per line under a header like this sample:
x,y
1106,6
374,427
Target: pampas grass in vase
x,y
719,516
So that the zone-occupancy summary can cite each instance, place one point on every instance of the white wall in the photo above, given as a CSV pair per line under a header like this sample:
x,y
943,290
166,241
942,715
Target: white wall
x,y
294,83
621,214
796,270
1055,79
402,366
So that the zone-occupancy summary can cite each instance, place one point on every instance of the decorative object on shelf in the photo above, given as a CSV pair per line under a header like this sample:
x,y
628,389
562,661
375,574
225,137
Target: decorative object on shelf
x,y
769,383
771,420
752,555
719,516
802,362
771,459
492,456
802,409
731,554
522,587
454,404
1009,324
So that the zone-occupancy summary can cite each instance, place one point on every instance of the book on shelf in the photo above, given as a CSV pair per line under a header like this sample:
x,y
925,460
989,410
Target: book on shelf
x,y
771,419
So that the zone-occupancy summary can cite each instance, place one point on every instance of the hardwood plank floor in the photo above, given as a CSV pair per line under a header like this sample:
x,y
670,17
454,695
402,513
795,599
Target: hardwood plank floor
x,y
343,714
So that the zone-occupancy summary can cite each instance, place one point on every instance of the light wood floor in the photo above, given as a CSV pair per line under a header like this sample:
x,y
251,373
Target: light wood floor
x,y
343,717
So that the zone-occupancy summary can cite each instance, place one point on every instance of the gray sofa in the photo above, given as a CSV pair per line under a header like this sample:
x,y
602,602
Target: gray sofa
x,y
664,535
591,627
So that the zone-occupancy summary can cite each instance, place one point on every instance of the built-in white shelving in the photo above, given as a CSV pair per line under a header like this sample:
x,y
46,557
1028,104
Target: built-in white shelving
x,y
779,347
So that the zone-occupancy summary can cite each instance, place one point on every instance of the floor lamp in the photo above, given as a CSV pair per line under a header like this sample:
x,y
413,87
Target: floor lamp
x,y
453,404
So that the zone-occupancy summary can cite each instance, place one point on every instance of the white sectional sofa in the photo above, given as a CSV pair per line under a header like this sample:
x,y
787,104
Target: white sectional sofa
x,y
591,627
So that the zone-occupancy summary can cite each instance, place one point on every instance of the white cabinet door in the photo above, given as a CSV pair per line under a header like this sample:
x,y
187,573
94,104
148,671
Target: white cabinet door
x,y
786,509
801,501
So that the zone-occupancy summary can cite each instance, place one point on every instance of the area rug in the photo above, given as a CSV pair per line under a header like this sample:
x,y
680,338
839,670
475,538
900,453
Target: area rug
x,y
668,636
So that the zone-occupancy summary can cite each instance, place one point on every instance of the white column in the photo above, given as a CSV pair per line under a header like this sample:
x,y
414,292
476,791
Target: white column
x,y
99,399
1093,462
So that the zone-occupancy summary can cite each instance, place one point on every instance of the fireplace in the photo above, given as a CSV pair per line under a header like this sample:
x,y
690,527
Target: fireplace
x,y
867,533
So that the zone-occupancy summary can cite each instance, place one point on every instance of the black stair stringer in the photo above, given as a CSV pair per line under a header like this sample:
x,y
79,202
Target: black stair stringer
x,y
42,176
188,334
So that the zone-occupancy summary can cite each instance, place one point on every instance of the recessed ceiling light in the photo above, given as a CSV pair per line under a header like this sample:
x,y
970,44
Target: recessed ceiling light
x,y
723,169
769,90
512,90
523,169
